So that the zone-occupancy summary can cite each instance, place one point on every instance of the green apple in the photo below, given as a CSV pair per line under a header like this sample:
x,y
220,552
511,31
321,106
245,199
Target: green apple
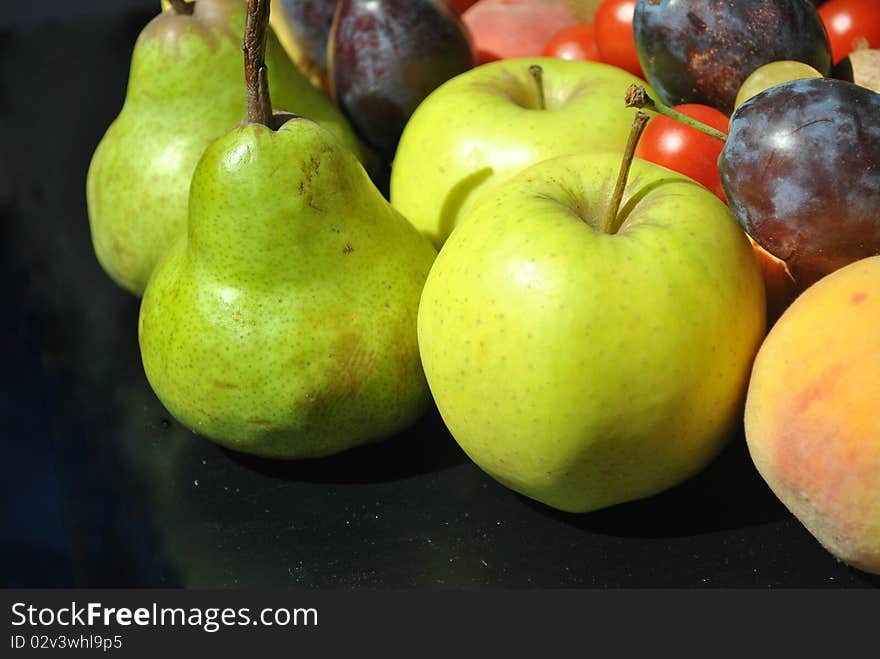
x,y
584,367
487,124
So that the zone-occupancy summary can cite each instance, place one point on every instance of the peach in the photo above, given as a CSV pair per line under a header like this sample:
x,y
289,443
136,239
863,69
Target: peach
x,y
812,416
502,29
780,285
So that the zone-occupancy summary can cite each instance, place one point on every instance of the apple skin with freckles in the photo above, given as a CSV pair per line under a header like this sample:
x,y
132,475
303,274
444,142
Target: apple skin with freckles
x,y
584,369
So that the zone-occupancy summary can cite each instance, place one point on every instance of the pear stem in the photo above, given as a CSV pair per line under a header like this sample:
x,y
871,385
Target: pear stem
x,y
537,74
259,105
637,97
612,221
182,7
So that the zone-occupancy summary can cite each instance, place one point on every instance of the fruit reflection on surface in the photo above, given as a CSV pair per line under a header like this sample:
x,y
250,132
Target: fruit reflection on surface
x,y
811,419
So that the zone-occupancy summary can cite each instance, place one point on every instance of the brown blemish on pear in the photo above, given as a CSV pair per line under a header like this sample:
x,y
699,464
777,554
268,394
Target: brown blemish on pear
x,y
225,385
346,375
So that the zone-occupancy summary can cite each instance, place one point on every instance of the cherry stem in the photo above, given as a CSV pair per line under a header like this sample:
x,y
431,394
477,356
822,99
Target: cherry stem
x,y
637,97
537,74
613,220
182,7
259,105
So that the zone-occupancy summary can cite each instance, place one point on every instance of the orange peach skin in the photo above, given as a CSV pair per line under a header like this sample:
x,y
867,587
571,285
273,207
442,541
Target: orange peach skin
x,y
780,286
812,416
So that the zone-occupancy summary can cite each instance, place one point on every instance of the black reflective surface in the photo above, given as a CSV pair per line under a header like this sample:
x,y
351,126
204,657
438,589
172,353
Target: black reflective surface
x,y
101,488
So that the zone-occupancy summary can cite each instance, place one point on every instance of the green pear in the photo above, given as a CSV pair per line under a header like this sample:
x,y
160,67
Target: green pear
x,y
585,367
283,323
184,91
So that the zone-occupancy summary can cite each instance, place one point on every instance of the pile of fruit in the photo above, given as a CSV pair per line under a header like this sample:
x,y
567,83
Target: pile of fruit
x,y
595,212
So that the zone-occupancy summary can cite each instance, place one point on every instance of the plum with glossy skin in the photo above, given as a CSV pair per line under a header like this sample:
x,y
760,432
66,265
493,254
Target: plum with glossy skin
x,y
701,52
801,171
386,56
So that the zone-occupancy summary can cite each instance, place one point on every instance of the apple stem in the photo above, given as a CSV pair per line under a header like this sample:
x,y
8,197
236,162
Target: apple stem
x,y
537,74
259,105
612,221
637,97
182,7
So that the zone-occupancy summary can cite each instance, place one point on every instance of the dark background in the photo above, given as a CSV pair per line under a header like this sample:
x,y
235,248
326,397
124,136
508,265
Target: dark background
x,y
100,487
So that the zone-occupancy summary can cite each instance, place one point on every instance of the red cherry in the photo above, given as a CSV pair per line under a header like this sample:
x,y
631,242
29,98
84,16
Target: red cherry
x,y
848,22
573,42
684,149
613,24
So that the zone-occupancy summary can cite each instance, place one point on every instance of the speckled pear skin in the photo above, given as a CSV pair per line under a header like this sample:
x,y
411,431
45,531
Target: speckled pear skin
x,y
283,324
185,89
